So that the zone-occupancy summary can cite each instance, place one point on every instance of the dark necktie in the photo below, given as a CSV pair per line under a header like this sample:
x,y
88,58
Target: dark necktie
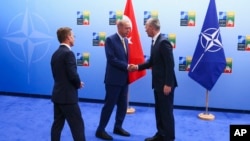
x,y
152,43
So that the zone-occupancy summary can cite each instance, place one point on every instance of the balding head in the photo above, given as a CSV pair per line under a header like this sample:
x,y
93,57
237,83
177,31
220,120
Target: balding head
x,y
123,27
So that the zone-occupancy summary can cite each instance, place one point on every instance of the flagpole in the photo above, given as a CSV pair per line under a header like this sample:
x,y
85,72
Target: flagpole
x,y
130,110
135,52
206,115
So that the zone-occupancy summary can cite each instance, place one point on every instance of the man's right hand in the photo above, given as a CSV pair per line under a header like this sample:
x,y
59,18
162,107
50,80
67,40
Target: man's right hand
x,y
132,67
81,85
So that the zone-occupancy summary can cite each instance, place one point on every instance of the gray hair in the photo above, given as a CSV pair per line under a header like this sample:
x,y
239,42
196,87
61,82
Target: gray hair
x,y
154,22
122,21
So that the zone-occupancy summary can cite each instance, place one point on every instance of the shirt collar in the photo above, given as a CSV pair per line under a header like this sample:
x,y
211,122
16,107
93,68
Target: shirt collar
x,y
120,36
155,37
66,45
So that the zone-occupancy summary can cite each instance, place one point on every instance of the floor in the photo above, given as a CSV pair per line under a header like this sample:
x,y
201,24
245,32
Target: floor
x,y
30,119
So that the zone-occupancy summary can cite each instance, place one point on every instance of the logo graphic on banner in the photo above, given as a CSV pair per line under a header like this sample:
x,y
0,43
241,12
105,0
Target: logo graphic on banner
x,y
135,49
114,16
83,18
172,39
226,19
27,38
209,60
82,59
99,38
187,18
229,65
149,14
184,63
244,43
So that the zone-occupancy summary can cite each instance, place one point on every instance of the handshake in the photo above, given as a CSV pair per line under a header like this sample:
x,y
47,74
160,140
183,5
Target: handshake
x,y
132,67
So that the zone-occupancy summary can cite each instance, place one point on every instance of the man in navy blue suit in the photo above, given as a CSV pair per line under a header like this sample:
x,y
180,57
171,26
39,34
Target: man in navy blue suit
x,y
65,90
163,81
116,80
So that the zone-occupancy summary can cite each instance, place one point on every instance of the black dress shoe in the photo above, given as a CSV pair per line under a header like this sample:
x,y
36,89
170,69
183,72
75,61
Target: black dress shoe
x,y
121,132
103,135
155,138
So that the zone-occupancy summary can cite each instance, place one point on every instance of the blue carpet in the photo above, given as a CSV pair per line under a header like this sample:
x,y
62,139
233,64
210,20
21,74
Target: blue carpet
x,y
29,119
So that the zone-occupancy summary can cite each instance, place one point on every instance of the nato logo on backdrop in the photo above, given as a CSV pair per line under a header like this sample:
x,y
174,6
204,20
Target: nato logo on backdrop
x,y
184,64
226,19
187,18
82,59
28,39
114,16
229,65
149,14
243,43
171,38
83,18
99,38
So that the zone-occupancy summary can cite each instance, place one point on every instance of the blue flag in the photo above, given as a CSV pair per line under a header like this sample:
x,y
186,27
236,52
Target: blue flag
x,y
208,61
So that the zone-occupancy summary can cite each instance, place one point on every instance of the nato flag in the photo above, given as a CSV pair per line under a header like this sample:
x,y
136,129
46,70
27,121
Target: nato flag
x,y
208,61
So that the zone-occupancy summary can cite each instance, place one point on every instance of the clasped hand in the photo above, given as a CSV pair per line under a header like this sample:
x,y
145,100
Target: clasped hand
x,y
132,67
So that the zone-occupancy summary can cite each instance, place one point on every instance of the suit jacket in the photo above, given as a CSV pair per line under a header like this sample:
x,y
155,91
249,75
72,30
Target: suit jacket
x,y
162,62
66,78
117,61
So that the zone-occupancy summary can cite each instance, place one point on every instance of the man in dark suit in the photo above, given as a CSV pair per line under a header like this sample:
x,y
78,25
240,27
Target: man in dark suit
x,y
65,90
116,81
163,81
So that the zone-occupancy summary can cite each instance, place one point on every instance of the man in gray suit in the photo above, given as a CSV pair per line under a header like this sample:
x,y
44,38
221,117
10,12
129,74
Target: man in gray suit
x,y
65,90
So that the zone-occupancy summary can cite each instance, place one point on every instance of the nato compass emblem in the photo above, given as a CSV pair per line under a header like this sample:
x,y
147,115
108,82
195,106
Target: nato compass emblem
x,y
27,38
210,40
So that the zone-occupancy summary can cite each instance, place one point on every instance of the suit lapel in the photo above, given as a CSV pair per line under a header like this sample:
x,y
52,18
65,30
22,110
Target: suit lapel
x,y
157,40
118,39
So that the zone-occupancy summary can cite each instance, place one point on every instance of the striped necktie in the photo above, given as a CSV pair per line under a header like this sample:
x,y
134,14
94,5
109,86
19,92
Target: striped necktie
x,y
124,45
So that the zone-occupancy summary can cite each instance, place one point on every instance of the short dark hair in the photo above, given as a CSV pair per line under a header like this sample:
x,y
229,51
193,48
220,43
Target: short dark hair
x,y
62,33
